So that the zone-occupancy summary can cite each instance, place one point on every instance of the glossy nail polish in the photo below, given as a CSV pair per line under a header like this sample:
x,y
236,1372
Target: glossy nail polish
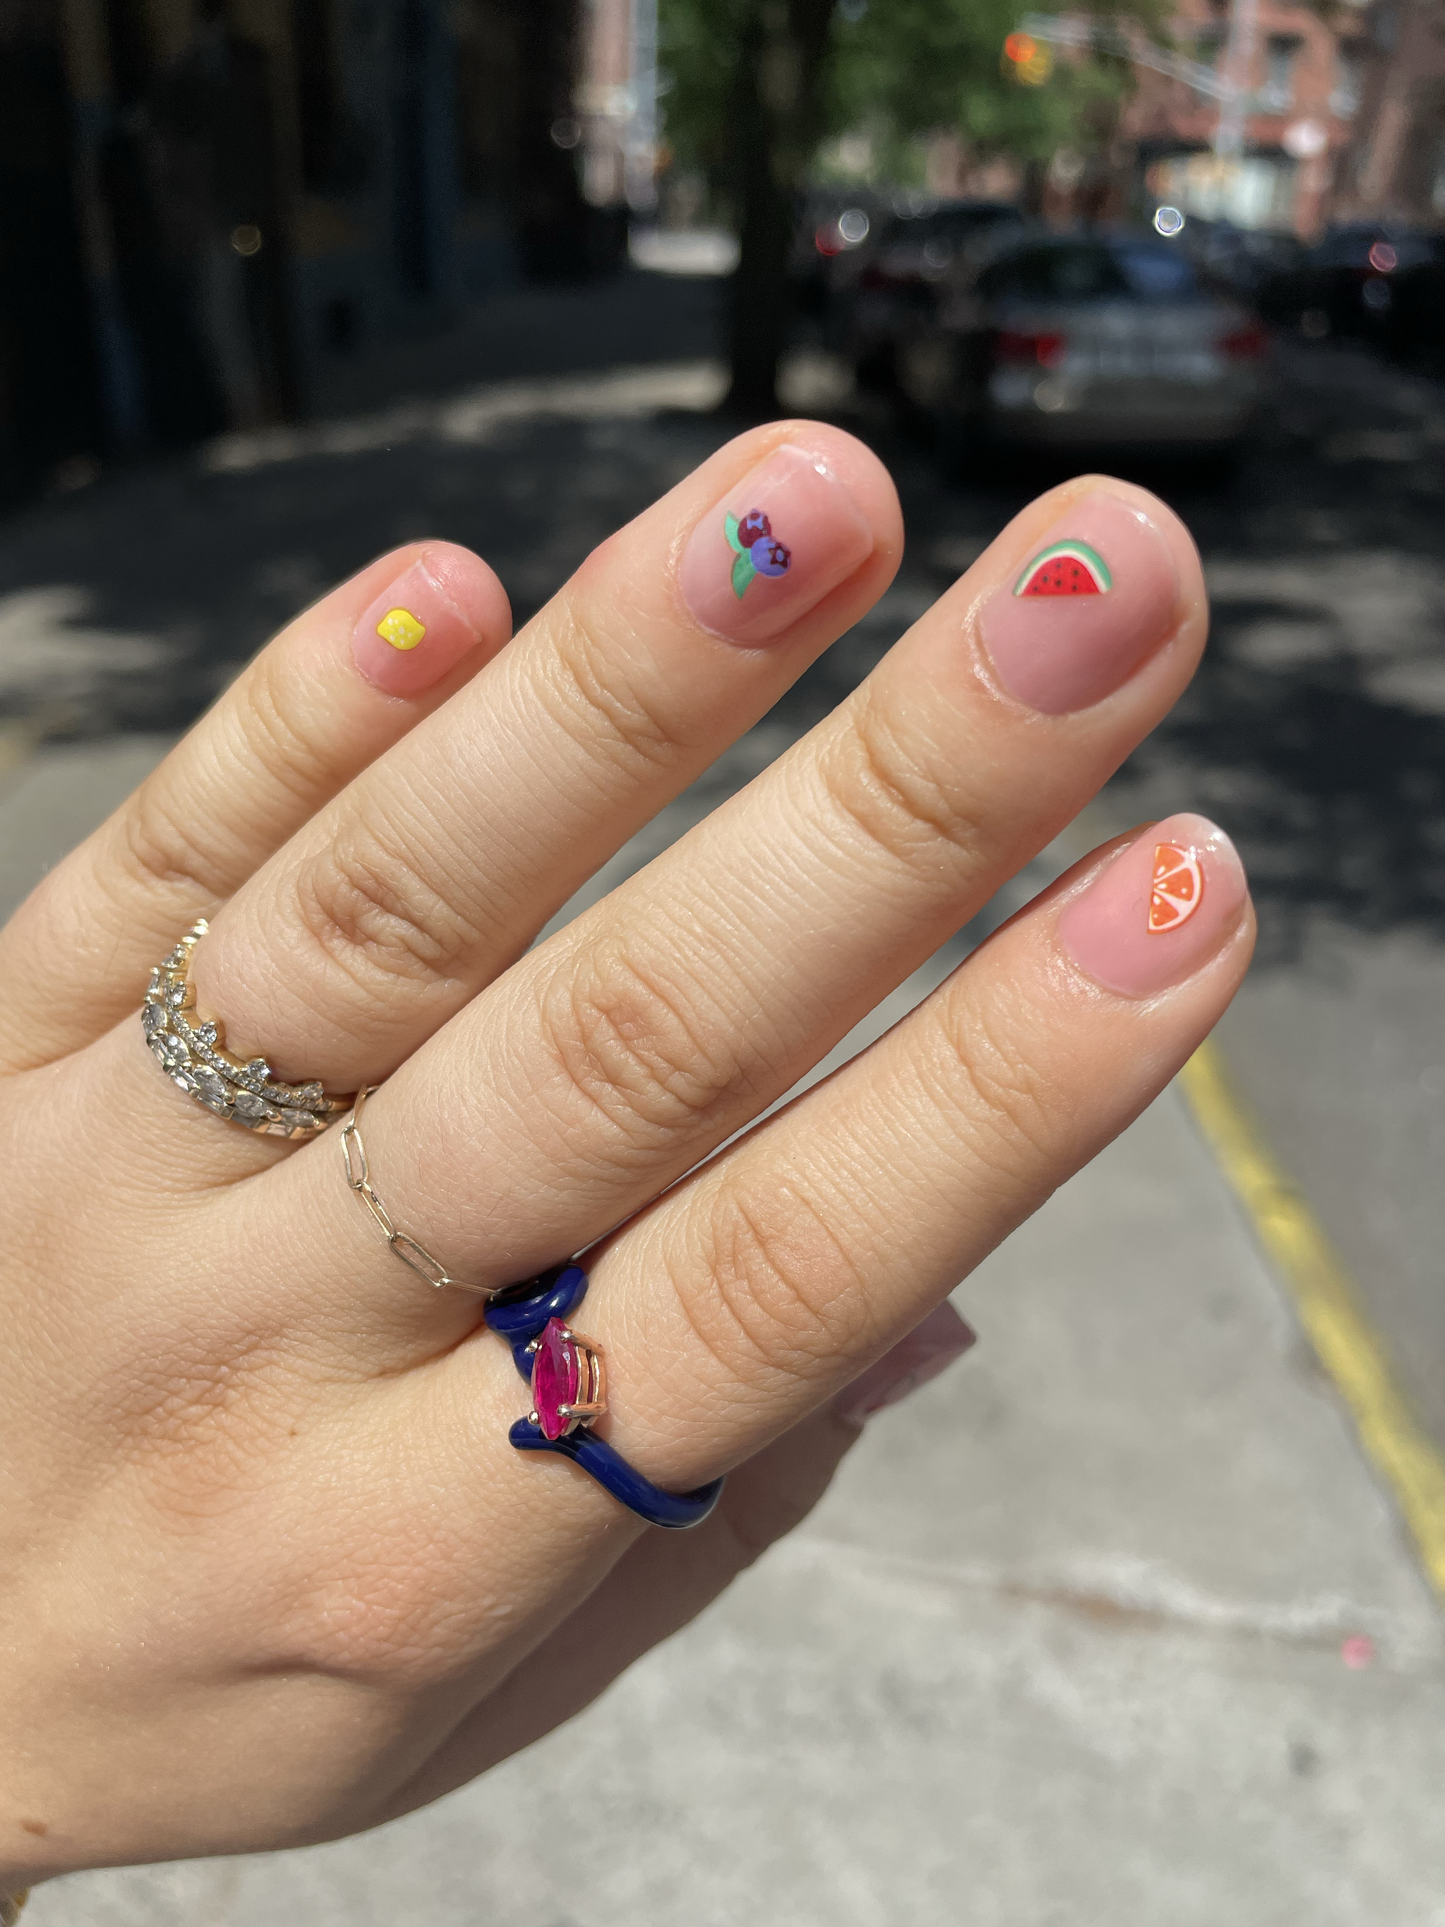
x,y
1091,600
772,548
929,1349
412,635
1159,910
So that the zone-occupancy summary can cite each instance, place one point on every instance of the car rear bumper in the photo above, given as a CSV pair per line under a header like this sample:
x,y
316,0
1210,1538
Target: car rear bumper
x,y
1091,427
1050,411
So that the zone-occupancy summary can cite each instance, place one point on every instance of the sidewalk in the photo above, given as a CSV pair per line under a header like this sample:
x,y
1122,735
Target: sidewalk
x,y
1062,1648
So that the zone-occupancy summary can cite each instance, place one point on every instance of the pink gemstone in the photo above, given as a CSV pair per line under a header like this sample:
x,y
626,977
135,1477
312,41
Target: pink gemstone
x,y
555,1378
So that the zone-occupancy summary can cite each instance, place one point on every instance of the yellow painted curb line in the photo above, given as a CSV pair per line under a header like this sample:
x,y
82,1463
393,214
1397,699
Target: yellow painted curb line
x,y
1328,1305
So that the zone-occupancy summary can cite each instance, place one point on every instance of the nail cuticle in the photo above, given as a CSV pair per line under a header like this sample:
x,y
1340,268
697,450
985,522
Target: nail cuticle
x,y
772,548
1157,911
411,635
1089,602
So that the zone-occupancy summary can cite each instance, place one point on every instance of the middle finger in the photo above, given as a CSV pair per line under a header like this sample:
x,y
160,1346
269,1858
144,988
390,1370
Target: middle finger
x,y
441,863
652,1027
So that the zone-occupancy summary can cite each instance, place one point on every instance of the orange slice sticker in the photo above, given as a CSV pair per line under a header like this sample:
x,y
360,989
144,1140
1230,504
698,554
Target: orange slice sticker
x,y
1177,888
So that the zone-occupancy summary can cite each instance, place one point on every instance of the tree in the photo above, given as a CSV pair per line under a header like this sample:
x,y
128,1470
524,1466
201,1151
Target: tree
x,y
754,86
747,103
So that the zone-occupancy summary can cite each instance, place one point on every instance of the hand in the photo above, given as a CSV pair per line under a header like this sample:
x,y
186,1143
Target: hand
x,y
271,1571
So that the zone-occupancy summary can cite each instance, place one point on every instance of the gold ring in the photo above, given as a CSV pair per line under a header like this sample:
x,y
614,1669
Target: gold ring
x,y
194,1057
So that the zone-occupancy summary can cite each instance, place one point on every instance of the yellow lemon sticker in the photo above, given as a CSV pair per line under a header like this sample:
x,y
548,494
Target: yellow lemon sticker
x,y
401,629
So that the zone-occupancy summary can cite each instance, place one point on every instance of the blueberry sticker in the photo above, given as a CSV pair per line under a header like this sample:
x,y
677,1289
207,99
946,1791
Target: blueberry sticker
x,y
751,540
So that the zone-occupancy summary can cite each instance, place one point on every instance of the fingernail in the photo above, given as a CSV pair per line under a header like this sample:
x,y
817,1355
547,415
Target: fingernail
x,y
775,545
412,635
1159,910
1094,597
927,1350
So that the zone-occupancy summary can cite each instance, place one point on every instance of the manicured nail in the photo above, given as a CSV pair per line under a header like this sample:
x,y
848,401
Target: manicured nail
x,y
927,1350
1091,601
774,546
1159,910
412,635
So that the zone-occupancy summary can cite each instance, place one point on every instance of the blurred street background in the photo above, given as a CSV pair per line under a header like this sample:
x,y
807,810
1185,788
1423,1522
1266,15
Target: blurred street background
x,y
284,282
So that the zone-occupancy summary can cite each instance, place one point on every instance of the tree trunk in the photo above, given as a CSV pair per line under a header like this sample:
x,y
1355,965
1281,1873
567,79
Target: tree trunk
x,y
777,121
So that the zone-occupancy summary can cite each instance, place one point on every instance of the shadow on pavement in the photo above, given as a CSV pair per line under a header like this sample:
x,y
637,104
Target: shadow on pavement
x,y
1315,730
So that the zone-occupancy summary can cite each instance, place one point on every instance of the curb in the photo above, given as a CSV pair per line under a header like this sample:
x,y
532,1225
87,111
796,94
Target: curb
x,y
1327,1302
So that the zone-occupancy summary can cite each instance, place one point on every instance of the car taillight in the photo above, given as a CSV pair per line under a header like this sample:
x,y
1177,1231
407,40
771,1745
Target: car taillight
x,y
828,241
1245,344
1045,351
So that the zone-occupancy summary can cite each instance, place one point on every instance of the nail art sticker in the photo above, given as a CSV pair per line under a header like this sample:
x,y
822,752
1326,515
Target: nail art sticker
x,y
1177,889
1066,568
757,553
401,629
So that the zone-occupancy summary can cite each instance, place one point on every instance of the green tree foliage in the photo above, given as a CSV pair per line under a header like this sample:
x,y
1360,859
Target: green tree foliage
x,y
909,67
755,86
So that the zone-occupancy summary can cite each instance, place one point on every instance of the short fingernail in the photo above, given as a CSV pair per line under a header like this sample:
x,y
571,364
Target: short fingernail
x,y
1090,602
412,635
1159,910
927,1350
775,545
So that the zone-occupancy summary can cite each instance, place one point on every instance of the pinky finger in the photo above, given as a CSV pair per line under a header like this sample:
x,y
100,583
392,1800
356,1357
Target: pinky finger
x,y
338,686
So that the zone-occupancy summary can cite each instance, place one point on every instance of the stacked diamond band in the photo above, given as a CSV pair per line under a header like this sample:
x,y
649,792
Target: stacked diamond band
x,y
193,1056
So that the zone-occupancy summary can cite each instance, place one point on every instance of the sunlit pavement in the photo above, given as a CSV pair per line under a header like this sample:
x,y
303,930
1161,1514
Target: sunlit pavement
x,y
1112,1625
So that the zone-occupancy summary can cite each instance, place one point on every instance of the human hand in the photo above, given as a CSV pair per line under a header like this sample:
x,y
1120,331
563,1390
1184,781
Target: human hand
x,y
271,1571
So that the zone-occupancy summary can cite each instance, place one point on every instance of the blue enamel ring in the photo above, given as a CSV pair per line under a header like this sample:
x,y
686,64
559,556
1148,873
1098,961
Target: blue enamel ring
x,y
569,1388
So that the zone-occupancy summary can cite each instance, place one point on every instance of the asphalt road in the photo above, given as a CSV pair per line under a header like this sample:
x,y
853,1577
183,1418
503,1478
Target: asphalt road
x,y
1315,732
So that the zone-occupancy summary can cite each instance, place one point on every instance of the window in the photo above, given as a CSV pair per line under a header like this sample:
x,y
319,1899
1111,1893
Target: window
x,y
1349,74
1156,274
1279,58
1078,273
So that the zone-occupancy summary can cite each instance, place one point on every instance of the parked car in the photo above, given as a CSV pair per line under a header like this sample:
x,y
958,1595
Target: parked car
x,y
881,291
829,222
1415,326
1347,282
1242,260
1100,339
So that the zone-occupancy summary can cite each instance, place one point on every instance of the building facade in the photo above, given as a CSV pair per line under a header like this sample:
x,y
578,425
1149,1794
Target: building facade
x,y
1297,117
201,198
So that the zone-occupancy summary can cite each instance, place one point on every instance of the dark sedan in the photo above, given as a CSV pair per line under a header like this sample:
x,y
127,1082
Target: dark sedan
x,y
1350,281
882,290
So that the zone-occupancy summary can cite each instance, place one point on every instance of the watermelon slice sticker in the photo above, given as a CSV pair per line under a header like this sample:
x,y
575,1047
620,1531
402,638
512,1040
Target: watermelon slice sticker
x,y
1066,568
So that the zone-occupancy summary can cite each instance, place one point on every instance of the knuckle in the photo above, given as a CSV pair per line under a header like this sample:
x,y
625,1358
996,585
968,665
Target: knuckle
x,y
638,1049
1011,1104
785,1295
371,907
603,707
274,732
882,784
157,847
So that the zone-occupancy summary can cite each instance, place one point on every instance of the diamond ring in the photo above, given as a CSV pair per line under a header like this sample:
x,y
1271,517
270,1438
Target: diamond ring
x,y
194,1057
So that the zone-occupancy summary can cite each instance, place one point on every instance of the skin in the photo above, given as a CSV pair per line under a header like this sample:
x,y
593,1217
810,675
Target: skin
x,y
259,1479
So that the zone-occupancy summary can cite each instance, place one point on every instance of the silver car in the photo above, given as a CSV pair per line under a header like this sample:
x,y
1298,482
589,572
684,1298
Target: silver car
x,y
1061,341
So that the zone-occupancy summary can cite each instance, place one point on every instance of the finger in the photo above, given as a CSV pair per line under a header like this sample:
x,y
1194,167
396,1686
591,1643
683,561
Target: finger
x,y
750,1293
665,1579
656,1024
661,1584
323,699
440,864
